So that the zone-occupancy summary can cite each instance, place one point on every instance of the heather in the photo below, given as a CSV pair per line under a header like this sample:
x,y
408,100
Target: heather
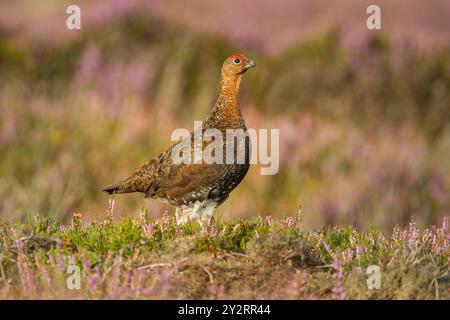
x,y
260,258
364,150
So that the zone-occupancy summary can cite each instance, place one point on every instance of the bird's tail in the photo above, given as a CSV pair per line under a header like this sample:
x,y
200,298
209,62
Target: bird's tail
x,y
125,186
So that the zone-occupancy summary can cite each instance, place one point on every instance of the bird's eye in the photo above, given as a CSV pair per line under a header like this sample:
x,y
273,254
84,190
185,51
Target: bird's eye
x,y
237,61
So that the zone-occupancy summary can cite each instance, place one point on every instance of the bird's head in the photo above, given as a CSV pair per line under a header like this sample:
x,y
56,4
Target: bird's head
x,y
237,64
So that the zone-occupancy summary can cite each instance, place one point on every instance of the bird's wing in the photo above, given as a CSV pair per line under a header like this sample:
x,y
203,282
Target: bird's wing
x,y
182,180
190,182
173,181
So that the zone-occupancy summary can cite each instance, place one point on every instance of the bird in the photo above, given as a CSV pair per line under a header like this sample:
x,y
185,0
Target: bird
x,y
197,189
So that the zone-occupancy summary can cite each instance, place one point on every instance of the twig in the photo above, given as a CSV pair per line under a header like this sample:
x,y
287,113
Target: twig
x,y
235,254
211,279
324,266
155,265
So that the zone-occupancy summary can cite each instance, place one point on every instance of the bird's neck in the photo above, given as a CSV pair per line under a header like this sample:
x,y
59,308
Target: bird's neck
x,y
226,112
229,86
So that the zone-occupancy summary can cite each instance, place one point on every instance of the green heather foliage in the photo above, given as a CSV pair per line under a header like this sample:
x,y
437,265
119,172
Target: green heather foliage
x,y
258,258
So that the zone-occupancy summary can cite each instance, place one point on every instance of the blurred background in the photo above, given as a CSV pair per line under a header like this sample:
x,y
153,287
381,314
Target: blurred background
x,y
364,116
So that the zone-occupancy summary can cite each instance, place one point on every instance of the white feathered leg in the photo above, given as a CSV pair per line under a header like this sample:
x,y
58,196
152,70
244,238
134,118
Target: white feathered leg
x,y
199,210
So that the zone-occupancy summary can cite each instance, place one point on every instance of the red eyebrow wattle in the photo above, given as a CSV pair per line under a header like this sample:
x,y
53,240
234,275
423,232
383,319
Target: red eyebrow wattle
x,y
238,56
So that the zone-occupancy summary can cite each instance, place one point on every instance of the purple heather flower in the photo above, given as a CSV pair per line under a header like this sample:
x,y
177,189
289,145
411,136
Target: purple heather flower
x,y
349,254
359,250
289,222
213,231
338,290
327,246
413,234
269,220
25,272
149,229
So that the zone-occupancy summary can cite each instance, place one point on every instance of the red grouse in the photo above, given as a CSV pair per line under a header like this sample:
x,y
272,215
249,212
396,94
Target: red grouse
x,y
197,188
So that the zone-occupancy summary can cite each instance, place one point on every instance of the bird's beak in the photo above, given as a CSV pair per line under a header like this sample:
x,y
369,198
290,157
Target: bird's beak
x,y
250,64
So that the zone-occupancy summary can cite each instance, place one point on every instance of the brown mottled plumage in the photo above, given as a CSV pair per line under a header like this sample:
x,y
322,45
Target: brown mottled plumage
x,y
197,189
